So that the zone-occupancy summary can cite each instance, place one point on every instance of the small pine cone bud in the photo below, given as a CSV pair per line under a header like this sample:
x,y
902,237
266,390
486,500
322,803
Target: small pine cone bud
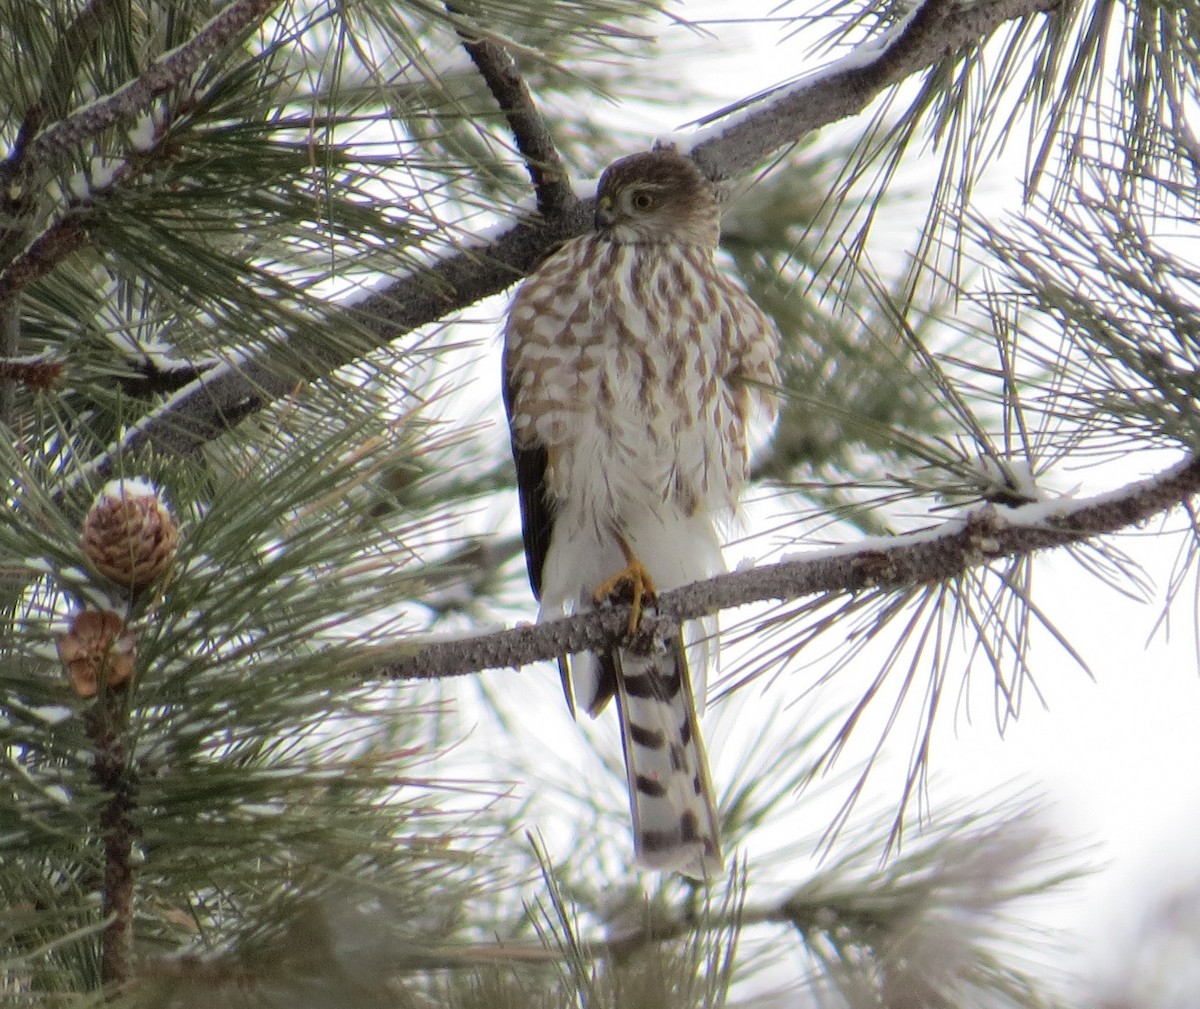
x,y
95,646
129,534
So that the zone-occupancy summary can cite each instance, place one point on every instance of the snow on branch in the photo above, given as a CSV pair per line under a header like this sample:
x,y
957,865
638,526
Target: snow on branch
x,y
933,30
163,74
928,556
221,397
460,278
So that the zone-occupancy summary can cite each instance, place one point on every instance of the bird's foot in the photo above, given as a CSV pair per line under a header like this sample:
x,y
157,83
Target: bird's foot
x,y
634,583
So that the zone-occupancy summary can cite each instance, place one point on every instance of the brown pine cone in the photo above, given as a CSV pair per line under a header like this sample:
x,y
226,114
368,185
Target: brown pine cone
x,y
95,646
129,534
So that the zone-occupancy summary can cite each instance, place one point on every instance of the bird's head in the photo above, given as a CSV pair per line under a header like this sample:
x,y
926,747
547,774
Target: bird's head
x,y
657,196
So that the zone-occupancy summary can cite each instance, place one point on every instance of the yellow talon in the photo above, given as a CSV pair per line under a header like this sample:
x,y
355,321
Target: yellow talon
x,y
636,577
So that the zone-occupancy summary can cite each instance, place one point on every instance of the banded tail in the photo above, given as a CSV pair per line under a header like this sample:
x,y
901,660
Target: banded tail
x,y
670,792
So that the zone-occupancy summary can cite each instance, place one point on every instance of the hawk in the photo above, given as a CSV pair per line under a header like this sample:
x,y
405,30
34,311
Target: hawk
x,y
632,367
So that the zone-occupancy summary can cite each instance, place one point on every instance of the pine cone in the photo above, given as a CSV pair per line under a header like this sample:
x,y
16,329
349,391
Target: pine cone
x,y
129,534
93,647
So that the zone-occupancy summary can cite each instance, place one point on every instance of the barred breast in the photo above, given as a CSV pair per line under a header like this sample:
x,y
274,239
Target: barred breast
x,y
622,373
631,367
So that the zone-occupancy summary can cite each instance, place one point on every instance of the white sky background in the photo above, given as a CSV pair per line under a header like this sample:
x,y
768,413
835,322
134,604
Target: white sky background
x,y
1118,758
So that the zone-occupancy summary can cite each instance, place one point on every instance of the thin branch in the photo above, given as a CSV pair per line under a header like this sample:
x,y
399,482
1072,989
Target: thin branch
x,y
227,971
169,71
106,727
18,201
499,72
460,279
938,555
72,48
63,237
10,342
476,954
38,371
226,394
33,150
59,241
154,380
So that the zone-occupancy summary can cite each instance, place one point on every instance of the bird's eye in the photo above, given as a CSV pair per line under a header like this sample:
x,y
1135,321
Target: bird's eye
x,y
643,200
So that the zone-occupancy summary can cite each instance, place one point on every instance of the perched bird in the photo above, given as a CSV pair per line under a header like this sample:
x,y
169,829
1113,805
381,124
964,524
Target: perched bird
x,y
632,366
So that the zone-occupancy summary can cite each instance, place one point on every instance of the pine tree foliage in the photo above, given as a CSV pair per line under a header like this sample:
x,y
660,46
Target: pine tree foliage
x,y
240,248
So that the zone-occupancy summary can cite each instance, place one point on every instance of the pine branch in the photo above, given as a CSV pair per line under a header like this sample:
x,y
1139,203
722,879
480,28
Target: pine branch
x,y
462,278
987,534
934,31
17,201
59,241
228,393
501,952
40,371
70,231
154,379
74,45
106,726
10,340
499,72
170,71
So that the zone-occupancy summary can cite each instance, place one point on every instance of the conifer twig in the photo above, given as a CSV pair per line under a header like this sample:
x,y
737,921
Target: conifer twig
x,y
106,726
499,72
936,29
64,237
170,70
17,203
986,535
224,395
40,371
27,261
10,341
461,278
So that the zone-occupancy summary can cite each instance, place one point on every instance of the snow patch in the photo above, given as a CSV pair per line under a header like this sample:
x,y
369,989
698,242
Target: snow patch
x,y
127,487
144,134
52,714
98,175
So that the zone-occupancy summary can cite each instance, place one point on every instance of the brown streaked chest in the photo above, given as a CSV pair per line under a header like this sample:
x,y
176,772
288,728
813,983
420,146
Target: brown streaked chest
x,y
604,327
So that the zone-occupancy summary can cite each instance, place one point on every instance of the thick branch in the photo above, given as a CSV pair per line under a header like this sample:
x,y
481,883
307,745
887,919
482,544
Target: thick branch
x,y
499,72
225,395
460,279
930,556
939,28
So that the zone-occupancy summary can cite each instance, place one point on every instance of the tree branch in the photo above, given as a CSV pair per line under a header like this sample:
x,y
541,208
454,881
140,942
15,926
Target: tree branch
x,y
18,202
937,555
64,236
59,241
462,278
106,724
499,72
170,70
39,371
936,30
227,393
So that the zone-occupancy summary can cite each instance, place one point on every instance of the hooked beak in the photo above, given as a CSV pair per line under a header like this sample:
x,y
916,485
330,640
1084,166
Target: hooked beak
x,y
604,212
